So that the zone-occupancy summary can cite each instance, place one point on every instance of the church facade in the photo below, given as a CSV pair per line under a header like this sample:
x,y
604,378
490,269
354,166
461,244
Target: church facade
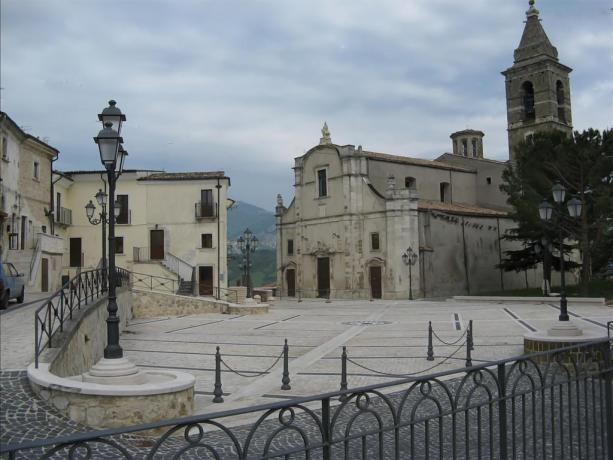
x,y
365,224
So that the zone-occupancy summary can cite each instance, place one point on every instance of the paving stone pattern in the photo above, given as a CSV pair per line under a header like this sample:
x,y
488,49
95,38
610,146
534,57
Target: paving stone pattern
x,y
426,425
388,336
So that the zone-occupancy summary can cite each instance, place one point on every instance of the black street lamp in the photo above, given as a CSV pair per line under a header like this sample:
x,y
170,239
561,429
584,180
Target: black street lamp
x,y
247,244
545,213
409,257
90,209
112,156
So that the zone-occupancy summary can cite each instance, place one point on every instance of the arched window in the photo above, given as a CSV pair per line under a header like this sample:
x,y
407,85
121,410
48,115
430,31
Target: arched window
x,y
560,98
410,182
464,147
527,96
474,144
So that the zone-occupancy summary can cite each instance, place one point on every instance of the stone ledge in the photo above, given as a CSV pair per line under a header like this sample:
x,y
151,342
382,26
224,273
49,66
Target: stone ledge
x,y
257,309
168,382
112,406
508,299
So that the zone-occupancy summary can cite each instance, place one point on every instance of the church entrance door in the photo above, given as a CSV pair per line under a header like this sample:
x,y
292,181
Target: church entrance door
x,y
375,282
290,276
323,277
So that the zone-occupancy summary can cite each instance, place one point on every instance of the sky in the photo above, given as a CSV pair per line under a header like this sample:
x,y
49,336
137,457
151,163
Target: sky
x,y
245,86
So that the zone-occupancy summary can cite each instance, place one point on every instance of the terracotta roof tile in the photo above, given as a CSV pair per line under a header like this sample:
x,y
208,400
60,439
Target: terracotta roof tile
x,y
460,208
193,175
414,161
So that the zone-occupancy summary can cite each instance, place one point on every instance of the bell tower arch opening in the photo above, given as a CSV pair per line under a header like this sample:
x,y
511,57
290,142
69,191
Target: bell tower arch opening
x,y
537,86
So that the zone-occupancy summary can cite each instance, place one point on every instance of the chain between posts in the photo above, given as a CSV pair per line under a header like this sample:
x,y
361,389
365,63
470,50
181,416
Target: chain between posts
x,y
410,374
285,380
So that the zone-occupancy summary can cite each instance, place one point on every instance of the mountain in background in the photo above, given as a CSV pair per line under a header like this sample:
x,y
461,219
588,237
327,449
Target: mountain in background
x,y
262,223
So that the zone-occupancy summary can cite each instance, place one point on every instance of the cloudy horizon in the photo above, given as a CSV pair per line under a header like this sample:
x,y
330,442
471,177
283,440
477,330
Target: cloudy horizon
x,y
245,86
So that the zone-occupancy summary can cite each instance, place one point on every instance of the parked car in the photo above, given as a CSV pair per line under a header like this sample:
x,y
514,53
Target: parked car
x,y
11,283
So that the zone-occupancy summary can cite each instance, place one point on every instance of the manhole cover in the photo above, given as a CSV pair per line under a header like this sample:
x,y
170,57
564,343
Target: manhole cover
x,y
366,323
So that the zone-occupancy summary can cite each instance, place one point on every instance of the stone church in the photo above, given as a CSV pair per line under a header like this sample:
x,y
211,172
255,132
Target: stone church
x,y
365,224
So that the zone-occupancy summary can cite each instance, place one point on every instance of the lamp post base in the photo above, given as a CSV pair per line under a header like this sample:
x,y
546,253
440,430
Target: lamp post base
x,y
120,371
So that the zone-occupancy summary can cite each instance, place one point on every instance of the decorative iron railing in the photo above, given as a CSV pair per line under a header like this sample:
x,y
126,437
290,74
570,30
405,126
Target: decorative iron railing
x,y
82,289
204,210
556,404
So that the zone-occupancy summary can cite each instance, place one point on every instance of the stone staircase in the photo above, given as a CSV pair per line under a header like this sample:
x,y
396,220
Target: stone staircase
x,y
186,288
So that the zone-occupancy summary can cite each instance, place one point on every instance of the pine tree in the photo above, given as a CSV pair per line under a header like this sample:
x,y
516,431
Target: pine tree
x,y
583,164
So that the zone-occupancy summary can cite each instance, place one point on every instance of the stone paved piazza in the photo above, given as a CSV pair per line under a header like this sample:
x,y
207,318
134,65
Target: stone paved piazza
x,y
394,342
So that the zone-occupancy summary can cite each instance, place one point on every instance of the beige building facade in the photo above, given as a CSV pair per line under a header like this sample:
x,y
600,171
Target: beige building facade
x,y
26,223
171,225
356,212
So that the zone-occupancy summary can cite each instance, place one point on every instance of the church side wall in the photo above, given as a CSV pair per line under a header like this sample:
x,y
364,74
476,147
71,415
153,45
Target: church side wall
x,y
463,254
428,180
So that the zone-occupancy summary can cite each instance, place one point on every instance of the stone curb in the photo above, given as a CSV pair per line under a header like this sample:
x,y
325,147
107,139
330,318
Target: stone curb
x,y
598,301
46,379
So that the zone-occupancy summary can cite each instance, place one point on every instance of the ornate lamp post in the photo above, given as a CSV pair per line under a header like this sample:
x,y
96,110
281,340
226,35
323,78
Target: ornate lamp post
x,y
409,257
90,208
112,157
545,213
247,244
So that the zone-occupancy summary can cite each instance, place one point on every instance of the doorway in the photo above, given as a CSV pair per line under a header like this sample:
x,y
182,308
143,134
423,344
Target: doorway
x,y
323,276
157,245
44,274
375,282
205,280
75,252
290,277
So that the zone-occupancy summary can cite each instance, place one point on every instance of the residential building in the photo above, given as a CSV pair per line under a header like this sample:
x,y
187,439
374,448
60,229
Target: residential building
x,y
171,225
26,237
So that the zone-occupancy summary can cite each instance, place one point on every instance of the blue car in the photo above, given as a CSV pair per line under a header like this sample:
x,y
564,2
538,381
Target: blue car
x,y
11,284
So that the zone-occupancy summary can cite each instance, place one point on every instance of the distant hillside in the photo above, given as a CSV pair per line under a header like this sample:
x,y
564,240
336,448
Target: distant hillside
x,y
260,221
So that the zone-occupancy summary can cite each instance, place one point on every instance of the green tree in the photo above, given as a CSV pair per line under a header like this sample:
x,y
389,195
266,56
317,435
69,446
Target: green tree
x,y
583,163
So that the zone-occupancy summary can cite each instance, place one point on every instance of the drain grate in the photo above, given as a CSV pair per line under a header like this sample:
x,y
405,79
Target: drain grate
x,y
366,323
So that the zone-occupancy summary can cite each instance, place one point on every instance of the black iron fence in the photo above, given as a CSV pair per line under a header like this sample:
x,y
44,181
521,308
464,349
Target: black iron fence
x,y
556,404
79,291
154,283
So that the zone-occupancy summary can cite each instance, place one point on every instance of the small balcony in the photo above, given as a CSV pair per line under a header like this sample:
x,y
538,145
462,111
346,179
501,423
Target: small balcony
x,y
205,211
63,216
124,218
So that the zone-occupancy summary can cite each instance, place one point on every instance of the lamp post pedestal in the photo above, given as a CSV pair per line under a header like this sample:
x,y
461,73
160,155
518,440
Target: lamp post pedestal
x,y
116,371
564,329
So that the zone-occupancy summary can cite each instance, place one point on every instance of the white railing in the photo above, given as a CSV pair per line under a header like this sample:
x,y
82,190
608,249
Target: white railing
x,y
64,217
181,268
140,254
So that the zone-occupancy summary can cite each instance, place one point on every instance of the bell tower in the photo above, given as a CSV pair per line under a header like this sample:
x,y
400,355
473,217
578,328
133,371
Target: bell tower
x,y
537,86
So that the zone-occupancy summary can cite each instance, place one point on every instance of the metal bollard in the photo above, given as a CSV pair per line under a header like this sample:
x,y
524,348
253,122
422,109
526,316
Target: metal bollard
x,y
469,361
218,392
285,379
470,334
343,374
430,347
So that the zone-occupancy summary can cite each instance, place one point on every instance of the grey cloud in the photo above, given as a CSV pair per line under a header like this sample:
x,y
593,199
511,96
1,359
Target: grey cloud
x,y
245,86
